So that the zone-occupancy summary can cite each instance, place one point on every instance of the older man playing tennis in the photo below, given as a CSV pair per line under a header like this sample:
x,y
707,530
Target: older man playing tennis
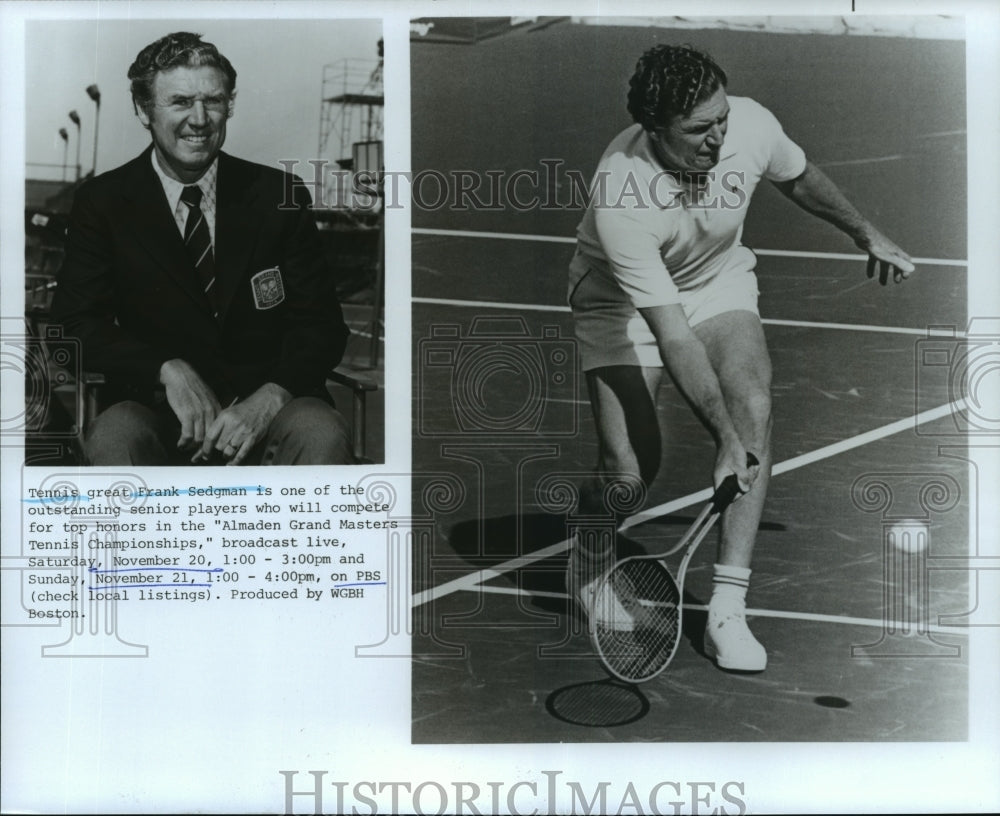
x,y
660,281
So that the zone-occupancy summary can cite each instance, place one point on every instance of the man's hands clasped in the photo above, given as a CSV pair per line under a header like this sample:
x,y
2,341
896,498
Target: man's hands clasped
x,y
206,426
238,428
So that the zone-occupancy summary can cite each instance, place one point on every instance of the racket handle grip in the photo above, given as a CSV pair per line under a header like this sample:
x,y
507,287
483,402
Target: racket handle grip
x,y
730,487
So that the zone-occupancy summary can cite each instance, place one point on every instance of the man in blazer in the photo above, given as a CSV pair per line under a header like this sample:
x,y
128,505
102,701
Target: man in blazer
x,y
197,284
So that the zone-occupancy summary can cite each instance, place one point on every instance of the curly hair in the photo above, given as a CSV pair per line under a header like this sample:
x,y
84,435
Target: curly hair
x,y
172,51
669,81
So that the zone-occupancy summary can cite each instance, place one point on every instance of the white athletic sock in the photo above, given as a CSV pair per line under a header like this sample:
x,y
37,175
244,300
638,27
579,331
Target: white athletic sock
x,y
729,589
727,638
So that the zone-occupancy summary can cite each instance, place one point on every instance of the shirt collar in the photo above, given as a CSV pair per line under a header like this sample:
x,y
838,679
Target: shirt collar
x,y
174,188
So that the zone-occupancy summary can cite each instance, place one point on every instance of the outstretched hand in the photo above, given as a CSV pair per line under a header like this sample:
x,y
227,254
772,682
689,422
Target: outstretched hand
x,y
885,255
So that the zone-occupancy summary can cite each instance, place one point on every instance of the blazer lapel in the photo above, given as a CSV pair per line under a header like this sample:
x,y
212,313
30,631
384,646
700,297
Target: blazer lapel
x,y
155,229
237,220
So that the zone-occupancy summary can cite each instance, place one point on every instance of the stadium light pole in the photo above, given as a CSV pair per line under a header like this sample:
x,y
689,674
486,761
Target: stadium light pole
x,y
75,118
65,137
95,94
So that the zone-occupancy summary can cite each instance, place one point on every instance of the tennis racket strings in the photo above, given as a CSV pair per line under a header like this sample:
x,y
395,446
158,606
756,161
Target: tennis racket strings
x,y
636,619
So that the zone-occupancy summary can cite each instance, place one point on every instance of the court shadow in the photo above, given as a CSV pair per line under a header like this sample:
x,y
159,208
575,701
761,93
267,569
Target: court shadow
x,y
490,541
598,704
487,542
693,624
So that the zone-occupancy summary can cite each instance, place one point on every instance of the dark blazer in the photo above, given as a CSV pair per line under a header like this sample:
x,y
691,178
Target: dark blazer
x,y
129,292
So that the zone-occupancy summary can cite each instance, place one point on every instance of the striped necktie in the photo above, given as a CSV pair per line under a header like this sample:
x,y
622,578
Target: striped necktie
x,y
198,242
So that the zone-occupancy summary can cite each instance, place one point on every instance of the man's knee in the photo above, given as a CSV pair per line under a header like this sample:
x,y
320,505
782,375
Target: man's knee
x,y
747,390
757,407
309,431
751,413
127,433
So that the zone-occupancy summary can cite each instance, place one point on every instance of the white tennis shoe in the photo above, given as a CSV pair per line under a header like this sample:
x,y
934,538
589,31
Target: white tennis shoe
x,y
583,578
729,641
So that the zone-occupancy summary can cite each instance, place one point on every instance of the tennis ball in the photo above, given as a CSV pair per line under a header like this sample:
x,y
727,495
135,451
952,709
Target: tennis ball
x,y
910,535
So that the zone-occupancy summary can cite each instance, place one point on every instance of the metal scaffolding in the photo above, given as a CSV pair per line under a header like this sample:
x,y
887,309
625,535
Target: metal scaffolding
x,y
350,133
351,109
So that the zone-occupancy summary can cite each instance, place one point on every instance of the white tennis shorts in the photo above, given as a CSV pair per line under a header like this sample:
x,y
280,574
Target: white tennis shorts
x,y
610,331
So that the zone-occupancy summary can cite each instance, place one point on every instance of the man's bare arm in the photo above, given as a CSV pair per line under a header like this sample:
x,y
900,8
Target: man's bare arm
x,y
815,193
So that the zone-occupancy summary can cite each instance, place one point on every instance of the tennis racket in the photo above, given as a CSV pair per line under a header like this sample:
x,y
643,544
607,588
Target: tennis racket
x,y
635,623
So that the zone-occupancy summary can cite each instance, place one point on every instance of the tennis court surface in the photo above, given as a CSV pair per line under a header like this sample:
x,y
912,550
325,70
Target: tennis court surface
x,y
866,640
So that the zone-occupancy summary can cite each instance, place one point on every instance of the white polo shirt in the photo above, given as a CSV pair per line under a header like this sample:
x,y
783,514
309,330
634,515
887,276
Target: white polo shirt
x,y
655,237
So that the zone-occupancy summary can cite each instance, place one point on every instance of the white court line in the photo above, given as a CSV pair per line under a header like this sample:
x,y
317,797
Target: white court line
x,y
809,324
938,134
527,593
365,334
850,256
506,236
807,458
873,160
489,304
473,579
875,623
928,332
479,576
778,253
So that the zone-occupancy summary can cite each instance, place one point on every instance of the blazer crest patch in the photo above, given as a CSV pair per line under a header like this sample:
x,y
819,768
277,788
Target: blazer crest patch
x,y
268,289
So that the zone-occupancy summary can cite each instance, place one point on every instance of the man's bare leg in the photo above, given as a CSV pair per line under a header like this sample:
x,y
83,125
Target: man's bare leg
x,y
623,401
737,350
